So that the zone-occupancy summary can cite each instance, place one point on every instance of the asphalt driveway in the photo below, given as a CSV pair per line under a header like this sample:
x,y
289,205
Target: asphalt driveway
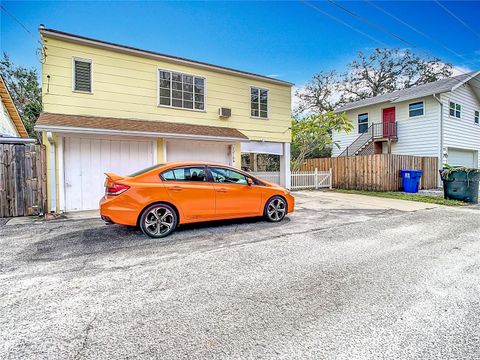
x,y
343,278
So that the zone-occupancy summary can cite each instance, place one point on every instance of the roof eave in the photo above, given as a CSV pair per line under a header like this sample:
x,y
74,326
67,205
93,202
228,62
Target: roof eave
x,y
12,111
153,55
465,81
95,131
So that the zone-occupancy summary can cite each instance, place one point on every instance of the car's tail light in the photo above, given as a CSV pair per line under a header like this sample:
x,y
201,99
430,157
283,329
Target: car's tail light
x,y
116,189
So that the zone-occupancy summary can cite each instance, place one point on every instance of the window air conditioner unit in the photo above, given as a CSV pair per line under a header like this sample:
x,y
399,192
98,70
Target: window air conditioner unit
x,y
224,112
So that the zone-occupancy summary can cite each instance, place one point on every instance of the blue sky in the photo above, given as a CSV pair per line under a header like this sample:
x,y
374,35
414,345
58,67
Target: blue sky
x,y
288,40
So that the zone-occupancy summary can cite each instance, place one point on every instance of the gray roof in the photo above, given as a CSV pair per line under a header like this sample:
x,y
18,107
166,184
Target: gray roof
x,y
436,87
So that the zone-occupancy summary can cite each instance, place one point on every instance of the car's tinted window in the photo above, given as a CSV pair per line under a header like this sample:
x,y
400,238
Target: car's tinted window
x,y
227,176
185,174
143,171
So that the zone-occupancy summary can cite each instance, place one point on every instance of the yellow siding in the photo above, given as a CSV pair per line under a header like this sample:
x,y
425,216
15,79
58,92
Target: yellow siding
x,y
125,86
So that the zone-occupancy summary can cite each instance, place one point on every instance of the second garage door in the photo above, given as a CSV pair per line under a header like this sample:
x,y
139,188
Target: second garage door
x,y
184,150
457,157
87,159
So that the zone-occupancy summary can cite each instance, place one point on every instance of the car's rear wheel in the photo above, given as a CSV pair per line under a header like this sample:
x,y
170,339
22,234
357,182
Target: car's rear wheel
x,y
158,220
275,209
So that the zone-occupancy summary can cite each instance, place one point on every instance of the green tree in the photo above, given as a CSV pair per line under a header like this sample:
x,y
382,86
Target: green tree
x,y
313,134
25,90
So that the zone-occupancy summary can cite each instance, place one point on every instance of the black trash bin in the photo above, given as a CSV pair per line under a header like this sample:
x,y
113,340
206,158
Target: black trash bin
x,y
461,184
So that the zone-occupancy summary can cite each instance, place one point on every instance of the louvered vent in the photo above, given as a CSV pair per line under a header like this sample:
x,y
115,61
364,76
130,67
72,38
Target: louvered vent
x,y
83,76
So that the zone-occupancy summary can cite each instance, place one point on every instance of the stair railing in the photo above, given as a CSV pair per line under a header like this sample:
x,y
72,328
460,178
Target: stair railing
x,y
374,131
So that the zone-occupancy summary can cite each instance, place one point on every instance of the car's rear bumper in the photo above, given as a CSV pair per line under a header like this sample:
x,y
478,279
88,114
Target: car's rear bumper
x,y
118,211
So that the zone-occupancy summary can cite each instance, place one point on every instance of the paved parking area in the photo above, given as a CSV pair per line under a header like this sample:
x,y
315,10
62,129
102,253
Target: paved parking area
x,y
341,278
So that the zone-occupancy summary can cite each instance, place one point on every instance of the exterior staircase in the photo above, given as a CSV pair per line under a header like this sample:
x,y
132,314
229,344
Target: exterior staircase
x,y
365,143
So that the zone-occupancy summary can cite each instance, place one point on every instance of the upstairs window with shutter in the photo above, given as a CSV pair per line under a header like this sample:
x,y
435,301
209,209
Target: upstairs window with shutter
x,y
82,75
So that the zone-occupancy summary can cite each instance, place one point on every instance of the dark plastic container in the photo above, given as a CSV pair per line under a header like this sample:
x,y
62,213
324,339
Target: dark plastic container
x,y
461,185
411,180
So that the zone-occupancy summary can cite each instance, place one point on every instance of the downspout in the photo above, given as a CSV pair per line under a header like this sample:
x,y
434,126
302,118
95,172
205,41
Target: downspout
x,y
53,180
440,165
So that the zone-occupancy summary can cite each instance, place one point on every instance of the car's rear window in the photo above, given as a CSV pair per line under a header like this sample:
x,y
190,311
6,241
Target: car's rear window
x,y
143,171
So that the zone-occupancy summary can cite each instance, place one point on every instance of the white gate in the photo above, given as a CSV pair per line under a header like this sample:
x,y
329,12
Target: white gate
x,y
301,179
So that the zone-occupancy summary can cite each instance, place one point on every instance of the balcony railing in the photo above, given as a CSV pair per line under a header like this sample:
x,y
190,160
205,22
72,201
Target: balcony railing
x,y
376,131
384,130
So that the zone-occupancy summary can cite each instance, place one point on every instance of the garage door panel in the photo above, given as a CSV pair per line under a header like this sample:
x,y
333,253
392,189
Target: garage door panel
x,y
87,159
458,157
186,150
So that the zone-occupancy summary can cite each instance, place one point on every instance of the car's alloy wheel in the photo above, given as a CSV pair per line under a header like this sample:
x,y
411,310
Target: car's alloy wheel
x,y
276,209
158,220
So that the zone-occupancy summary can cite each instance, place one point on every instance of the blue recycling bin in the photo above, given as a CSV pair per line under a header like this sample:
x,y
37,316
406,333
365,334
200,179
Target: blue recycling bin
x,y
411,180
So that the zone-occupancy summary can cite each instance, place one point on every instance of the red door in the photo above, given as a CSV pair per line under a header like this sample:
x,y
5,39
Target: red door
x,y
388,120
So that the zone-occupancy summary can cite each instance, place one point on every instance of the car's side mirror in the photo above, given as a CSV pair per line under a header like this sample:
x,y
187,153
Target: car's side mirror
x,y
249,182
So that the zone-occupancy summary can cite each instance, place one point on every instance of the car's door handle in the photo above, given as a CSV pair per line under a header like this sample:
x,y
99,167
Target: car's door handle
x,y
177,188
222,190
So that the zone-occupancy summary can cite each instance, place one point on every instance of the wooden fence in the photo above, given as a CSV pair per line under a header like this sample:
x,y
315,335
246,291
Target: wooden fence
x,y
375,172
23,180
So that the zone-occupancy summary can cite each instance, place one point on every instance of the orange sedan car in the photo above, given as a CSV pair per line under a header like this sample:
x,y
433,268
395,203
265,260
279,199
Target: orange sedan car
x,y
161,197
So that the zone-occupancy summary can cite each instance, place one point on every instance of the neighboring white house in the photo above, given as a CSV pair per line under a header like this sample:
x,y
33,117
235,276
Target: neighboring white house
x,y
11,125
438,119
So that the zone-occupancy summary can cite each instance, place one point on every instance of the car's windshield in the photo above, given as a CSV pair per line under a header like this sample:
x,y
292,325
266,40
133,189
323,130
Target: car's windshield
x,y
143,171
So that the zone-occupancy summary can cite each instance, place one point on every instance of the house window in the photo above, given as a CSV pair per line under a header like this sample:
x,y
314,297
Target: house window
x,y
362,123
82,75
476,117
259,102
415,109
181,90
455,109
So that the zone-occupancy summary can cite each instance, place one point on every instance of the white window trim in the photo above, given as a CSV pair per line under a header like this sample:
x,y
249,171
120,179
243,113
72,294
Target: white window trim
x,y
368,121
181,108
73,75
250,102
455,103
417,116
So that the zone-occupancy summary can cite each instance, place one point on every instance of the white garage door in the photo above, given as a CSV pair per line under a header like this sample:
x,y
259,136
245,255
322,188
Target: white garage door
x,y
457,157
185,150
87,159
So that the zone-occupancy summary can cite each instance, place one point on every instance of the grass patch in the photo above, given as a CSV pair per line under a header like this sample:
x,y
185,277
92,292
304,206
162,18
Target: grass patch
x,y
405,196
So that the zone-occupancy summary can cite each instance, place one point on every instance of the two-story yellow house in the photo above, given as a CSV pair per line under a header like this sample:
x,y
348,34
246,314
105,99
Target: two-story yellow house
x,y
114,108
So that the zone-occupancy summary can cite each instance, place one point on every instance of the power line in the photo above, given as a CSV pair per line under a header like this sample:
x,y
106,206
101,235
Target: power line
x,y
426,36
342,22
365,20
372,24
18,22
457,18
42,51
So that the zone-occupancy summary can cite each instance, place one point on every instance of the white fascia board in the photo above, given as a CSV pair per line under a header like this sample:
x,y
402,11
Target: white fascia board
x,y
465,81
78,130
262,147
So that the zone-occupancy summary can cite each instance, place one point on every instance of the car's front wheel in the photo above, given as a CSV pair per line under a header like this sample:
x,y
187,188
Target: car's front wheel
x,y
158,220
275,209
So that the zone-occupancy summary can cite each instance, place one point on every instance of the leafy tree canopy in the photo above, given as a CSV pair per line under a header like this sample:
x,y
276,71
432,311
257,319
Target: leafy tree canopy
x,y
379,72
313,134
